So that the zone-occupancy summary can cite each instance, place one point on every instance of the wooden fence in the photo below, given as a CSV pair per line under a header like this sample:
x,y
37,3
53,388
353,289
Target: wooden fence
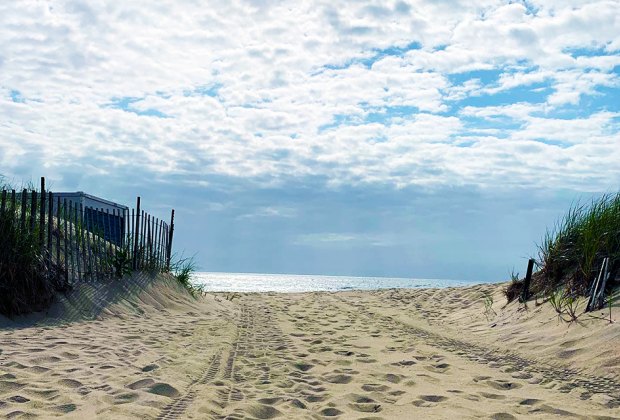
x,y
88,243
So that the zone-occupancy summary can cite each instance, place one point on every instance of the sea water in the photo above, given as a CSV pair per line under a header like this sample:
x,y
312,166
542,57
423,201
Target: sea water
x,y
290,283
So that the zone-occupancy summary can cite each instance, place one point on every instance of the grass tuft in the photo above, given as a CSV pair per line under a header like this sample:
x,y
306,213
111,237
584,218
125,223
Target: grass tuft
x,y
489,312
514,288
183,269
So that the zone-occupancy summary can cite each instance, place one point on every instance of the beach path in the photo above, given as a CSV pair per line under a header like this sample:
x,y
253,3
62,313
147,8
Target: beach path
x,y
346,355
392,354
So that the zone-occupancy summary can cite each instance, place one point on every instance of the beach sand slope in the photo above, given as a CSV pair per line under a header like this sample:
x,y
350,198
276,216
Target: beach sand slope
x,y
151,351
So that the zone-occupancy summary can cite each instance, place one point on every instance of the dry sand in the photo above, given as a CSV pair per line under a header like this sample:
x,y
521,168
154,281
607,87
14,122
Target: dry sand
x,y
145,349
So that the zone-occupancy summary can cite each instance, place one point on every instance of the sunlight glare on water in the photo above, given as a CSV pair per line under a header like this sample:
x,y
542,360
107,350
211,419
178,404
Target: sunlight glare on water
x,y
289,283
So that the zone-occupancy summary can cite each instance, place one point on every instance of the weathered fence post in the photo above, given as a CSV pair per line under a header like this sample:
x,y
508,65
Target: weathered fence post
x,y
143,241
525,292
66,238
72,256
147,239
3,205
50,225
58,233
33,212
22,224
162,247
87,238
598,291
78,256
13,203
96,245
136,232
42,215
156,242
130,232
170,236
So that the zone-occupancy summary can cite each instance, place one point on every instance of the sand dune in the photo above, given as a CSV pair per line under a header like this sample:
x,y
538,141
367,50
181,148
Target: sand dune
x,y
147,350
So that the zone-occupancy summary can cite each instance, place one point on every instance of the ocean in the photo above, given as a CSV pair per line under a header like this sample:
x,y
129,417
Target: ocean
x,y
290,283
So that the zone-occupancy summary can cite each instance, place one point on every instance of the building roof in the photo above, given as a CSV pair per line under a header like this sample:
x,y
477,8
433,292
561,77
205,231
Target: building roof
x,y
82,194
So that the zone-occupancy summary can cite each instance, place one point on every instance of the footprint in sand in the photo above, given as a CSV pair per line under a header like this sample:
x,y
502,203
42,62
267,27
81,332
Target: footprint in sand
x,y
404,363
70,383
142,383
63,409
157,388
492,396
262,411
429,400
338,379
503,385
38,369
375,387
529,401
503,416
164,389
125,398
438,368
330,412
303,366
364,404
149,368
18,399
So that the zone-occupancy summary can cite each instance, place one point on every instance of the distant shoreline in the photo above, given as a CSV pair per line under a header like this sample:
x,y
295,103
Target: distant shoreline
x,y
297,283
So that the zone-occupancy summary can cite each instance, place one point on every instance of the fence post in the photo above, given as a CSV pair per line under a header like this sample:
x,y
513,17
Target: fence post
x,y
58,232
136,235
160,256
42,214
85,249
96,245
107,248
596,298
149,240
525,293
131,228
13,203
87,233
64,215
33,211
50,224
69,233
143,241
164,244
77,229
3,206
22,223
170,236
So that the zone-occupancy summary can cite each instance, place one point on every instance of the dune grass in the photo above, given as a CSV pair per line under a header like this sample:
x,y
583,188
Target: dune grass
x,y
571,254
183,269
27,279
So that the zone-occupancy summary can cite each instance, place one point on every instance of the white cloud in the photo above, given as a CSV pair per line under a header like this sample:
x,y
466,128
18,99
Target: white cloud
x,y
274,92
270,211
334,239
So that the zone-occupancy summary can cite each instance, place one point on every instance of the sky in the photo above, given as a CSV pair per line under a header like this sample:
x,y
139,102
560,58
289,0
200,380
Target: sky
x,y
429,139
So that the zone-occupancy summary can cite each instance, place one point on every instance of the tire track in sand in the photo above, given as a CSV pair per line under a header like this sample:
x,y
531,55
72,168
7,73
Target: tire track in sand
x,y
177,408
260,362
568,378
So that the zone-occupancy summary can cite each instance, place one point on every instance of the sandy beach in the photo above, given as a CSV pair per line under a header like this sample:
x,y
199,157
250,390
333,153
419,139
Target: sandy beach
x,y
146,349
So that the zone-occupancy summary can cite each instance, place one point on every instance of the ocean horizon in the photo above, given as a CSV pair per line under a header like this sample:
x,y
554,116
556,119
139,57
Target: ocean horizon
x,y
293,283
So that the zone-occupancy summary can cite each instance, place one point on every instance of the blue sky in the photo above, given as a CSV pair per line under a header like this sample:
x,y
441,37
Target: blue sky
x,y
393,138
